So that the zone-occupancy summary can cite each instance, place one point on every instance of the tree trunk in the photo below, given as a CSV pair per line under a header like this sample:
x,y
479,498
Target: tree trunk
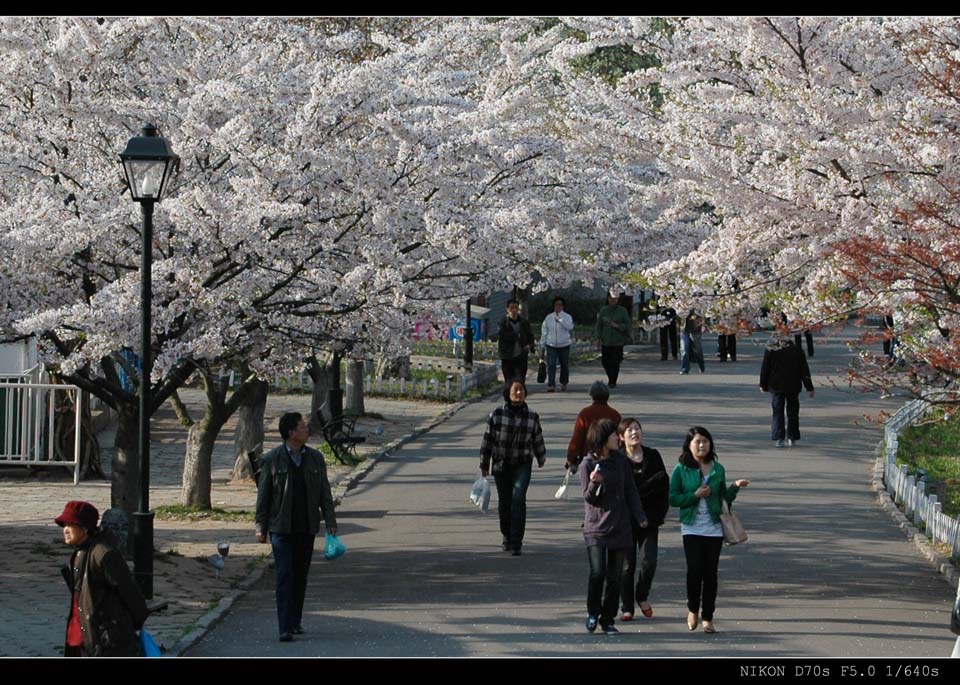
x,y
125,466
196,466
202,436
321,372
249,432
354,403
393,367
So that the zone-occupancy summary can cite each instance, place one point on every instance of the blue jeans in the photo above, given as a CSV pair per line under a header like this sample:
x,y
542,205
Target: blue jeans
x,y
603,586
790,401
561,354
292,553
512,483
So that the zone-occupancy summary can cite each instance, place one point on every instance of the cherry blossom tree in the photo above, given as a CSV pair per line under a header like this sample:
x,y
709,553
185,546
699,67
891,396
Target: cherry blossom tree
x,y
339,179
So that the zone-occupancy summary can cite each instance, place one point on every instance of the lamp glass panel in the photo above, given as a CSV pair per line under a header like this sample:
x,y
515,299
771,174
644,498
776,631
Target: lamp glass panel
x,y
146,178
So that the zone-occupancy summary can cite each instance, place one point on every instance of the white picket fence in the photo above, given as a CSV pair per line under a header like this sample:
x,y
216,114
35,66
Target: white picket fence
x,y
454,387
909,491
484,349
27,412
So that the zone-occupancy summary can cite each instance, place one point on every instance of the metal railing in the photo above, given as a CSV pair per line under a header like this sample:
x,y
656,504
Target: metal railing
x,y
28,413
909,491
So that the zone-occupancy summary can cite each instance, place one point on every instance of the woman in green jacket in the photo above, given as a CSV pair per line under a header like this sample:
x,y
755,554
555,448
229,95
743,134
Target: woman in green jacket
x,y
696,487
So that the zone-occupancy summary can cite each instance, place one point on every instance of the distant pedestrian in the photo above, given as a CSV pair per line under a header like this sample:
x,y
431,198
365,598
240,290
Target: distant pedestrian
x,y
599,409
691,343
653,486
106,607
890,341
610,503
727,346
514,341
698,486
796,337
612,331
512,441
782,374
668,333
556,336
292,491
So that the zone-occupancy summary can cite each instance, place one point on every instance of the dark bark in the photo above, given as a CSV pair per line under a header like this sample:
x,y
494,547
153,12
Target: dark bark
x,y
321,373
354,399
249,434
125,467
202,437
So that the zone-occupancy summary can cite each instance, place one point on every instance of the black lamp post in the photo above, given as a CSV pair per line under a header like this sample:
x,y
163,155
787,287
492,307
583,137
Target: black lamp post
x,y
148,163
468,341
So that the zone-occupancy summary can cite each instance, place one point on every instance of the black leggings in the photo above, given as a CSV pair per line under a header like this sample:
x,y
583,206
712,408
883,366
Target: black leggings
x,y
703,560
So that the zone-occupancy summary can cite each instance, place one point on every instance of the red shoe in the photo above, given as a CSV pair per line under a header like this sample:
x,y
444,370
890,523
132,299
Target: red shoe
x,y
626,616
648,612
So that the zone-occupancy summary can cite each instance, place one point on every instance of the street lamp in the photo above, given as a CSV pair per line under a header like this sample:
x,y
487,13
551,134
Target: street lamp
x,y
148,163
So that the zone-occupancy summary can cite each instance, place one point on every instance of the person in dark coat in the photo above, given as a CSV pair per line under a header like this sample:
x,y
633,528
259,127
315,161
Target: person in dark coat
x,y
106,607
691,343
610,502
783,373
599,409
653,486
292,491
514,341
668,334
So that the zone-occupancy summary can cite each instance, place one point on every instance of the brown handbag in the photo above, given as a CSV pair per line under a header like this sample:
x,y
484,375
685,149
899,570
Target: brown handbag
x,y
733,532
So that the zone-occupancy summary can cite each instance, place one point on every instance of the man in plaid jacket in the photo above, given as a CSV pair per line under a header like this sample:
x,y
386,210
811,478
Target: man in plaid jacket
x,y
512,439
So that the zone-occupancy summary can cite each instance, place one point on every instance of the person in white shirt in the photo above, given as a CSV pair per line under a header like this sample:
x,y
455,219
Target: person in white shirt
x,y
556,335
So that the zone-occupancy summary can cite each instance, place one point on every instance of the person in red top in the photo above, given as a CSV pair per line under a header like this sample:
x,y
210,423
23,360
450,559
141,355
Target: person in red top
x,y
106,607
577,449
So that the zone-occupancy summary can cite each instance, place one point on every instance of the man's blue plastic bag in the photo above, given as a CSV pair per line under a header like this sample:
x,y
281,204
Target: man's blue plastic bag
x,y
148,645
335,548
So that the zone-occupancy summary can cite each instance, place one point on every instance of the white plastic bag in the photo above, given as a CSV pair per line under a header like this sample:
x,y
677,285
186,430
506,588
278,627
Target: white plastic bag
x,y
480,493
561,492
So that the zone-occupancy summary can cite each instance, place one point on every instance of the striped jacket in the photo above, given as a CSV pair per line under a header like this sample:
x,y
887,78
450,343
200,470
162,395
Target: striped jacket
x,y
513,437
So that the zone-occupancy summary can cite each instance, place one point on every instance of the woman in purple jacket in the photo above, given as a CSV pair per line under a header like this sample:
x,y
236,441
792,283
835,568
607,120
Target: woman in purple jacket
x,y
610,499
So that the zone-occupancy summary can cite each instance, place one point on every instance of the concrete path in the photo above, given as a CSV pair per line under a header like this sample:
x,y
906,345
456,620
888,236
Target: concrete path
x,y
825,572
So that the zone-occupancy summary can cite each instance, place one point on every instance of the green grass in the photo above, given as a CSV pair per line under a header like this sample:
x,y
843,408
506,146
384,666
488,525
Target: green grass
x,y
935,447
178,512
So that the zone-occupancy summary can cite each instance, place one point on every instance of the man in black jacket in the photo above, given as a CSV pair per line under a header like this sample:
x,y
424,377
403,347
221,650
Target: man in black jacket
x,y
293,489
514,341
783,373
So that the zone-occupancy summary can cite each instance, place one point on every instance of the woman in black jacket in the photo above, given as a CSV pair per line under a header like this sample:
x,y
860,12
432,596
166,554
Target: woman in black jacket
x,y
610,501
653,486
106,606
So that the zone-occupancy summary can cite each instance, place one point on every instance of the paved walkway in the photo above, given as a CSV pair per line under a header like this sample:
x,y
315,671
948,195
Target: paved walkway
x,y
825,573
33,598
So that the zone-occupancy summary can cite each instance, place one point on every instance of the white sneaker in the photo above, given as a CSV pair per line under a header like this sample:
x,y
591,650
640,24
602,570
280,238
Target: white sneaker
x,y
791,442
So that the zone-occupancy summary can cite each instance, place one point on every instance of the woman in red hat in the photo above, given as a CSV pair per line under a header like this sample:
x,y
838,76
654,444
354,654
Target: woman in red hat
x,y
106,607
